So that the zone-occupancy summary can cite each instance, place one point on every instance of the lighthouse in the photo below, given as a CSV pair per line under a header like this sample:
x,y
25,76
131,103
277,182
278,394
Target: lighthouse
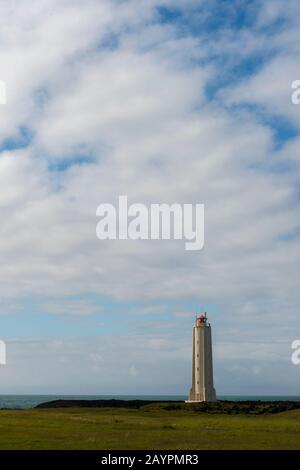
x,y
202,362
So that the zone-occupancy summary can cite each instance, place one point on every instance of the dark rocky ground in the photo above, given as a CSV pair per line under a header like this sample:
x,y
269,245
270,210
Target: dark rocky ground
x,y
114,403
219,407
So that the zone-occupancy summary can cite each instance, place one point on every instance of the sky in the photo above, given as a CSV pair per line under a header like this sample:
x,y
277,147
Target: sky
x,y
164,101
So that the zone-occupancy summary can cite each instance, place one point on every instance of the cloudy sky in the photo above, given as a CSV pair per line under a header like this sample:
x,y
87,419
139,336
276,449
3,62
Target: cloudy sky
x,y
168,101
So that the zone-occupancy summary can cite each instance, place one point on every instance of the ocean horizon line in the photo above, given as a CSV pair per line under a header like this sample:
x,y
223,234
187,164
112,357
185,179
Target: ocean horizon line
x,y
27,401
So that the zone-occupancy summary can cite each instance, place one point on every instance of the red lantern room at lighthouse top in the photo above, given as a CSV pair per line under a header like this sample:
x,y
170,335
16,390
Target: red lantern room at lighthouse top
x,y
201,320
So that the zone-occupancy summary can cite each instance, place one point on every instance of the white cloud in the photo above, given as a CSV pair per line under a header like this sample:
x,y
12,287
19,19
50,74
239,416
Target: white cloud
x,y
145,122
71,307
95,366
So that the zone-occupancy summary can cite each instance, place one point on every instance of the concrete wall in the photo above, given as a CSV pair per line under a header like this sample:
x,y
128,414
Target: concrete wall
x,y
202,365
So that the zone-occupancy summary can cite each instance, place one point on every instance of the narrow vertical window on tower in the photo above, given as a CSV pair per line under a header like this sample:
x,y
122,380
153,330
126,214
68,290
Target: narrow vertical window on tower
x,y
202,362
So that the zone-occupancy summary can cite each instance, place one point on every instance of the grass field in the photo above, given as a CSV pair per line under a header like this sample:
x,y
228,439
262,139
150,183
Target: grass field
x,y
146,428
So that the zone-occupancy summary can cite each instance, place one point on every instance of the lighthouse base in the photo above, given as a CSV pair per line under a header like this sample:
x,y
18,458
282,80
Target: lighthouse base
x,y
200,401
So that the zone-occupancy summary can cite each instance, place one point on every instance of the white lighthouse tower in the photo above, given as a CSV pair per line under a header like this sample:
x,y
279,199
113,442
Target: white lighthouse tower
x,y
202,368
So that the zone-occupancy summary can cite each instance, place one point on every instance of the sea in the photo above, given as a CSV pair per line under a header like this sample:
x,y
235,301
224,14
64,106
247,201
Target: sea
x,y
30,401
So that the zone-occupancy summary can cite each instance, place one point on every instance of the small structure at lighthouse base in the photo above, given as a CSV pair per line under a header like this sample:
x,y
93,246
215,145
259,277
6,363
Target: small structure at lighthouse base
x,y
202,362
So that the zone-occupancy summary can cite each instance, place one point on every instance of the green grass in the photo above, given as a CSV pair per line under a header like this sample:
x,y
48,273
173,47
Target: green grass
x,y
147,428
